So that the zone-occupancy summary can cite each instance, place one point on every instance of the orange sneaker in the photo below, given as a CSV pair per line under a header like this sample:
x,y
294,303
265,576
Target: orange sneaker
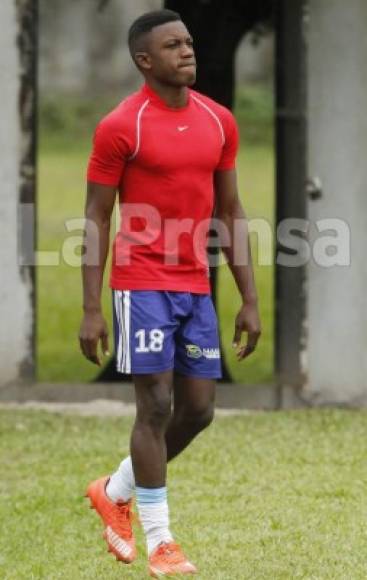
x,y
117,518
168,559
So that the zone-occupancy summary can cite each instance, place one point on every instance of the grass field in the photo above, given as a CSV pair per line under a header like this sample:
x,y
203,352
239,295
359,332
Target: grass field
x,y
65,133
265,496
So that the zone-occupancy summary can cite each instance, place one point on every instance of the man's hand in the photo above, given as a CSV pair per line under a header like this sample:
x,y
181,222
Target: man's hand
x,y
247,320
92,330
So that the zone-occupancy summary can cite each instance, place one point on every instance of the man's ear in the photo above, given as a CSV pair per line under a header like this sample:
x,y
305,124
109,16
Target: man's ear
x,y
143,60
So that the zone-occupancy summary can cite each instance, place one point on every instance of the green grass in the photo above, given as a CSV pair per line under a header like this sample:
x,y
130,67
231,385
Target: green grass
x,y
65,134
282,495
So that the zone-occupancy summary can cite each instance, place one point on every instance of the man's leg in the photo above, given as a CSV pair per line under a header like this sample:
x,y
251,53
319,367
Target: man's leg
x,y
153,413
149,460
193,411
149,455
194,400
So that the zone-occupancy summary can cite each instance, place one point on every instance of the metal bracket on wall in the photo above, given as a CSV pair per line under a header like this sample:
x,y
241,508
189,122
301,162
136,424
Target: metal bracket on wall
x,y
314,188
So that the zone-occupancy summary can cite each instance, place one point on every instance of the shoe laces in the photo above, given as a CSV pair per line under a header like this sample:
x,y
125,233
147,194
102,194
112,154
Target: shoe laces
x,y
122,518
170,552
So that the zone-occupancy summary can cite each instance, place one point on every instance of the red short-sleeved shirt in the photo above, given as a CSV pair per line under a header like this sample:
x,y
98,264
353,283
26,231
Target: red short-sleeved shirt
x,y
162,162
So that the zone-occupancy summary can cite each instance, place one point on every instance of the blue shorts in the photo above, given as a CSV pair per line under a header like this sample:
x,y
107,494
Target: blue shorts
x,y
156,331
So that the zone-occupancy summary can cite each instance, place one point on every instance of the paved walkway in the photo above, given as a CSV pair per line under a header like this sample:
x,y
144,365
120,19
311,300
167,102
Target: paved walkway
x,y
96,408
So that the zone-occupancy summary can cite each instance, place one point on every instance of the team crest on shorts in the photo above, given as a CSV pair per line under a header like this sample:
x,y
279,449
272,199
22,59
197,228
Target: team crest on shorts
x,y
193,351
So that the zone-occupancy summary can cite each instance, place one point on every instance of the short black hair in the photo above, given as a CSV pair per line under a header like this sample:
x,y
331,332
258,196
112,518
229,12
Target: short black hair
x,y
146,22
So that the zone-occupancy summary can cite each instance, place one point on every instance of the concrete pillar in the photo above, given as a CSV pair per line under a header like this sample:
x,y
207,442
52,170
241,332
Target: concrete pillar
x,y
337,155
16,313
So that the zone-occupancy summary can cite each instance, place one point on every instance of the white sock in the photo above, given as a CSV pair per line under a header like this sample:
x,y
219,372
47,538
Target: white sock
x,y
154,515
154,518
122,483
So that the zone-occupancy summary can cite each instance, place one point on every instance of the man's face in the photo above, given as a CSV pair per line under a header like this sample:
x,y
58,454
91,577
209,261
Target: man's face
x,y
170,56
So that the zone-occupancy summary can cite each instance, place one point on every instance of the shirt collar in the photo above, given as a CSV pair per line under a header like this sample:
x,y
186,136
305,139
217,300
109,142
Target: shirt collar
x,y
157,100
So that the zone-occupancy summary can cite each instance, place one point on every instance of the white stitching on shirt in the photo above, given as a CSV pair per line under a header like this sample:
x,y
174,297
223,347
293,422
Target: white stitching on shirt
x,y
213,115
138,123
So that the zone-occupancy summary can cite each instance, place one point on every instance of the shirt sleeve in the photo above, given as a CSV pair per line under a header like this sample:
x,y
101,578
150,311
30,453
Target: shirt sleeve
x,y
109,154
230,148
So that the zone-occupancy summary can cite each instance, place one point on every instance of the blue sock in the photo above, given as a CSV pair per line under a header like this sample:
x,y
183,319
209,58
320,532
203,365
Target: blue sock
x,y
151,494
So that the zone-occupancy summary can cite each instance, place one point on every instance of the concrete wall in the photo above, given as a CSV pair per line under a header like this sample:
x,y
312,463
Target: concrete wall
x,y
15,297
83,49
255,59
337,136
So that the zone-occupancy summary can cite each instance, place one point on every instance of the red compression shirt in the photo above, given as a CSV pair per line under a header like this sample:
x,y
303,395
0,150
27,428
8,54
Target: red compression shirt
x,y
162,162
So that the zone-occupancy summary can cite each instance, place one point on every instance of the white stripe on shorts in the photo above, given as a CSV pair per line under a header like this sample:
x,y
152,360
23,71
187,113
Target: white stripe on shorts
x,y
119,348
122,309
126,315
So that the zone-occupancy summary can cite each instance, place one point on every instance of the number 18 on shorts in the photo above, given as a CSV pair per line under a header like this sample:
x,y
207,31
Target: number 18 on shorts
x,y
157,330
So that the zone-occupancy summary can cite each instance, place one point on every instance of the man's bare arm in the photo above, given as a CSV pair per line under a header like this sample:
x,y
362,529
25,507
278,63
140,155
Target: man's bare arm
x,y
98,210
238,254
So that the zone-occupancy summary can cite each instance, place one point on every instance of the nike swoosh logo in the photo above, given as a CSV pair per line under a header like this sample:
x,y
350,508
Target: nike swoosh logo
x,y
183,128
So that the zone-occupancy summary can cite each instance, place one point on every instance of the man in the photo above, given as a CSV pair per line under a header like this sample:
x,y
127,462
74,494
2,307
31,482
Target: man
x,y
163,149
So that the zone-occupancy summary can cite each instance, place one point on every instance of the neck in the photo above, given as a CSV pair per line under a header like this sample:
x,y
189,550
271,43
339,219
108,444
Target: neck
x,y
174,97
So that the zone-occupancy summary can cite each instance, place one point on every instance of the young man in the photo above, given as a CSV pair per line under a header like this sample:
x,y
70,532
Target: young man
x,y
170,153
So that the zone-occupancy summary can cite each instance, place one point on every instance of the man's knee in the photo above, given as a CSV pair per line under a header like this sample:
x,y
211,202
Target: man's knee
x,y
205,417
160,412
198,418
157,413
